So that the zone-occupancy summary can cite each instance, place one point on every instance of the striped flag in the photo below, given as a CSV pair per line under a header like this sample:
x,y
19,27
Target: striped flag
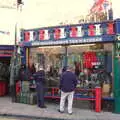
x,y
26,36
79,31
44,34
59,33
31,35
47,36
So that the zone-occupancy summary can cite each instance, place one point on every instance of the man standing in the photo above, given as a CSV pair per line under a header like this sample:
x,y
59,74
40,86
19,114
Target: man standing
x,y
39,77
68,84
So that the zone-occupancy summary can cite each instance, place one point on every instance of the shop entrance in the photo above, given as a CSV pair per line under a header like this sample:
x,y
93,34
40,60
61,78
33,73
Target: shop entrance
x,y
4,75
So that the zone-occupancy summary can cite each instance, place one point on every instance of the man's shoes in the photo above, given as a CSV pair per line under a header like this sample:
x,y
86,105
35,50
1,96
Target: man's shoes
x,y
70,113
43,107
60,111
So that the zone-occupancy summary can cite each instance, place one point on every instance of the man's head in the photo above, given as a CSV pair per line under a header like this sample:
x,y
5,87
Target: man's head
x,y
23,66
69,68
40,68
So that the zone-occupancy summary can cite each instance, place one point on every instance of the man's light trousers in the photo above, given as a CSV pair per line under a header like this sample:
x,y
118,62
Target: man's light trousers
x,y
69,96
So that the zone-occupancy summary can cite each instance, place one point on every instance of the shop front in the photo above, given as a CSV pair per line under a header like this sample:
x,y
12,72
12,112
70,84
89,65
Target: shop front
x,y
6,52
89,48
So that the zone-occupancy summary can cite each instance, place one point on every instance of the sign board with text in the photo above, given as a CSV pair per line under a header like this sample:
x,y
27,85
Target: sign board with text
x,y
70,34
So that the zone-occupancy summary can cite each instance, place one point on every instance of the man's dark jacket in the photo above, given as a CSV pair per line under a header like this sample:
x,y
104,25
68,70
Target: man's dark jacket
x,y
39,77
68,81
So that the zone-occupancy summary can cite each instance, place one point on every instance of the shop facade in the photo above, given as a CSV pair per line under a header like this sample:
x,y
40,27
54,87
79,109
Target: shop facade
x,y
6,53
90,48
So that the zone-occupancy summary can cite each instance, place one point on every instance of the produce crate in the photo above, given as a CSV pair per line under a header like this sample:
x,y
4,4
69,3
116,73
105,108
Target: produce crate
x,y
25,86
26,98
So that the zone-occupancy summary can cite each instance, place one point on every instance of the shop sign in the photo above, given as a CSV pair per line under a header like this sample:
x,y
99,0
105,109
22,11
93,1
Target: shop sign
x,y
6,52
42,43
6,47
68,32
67,41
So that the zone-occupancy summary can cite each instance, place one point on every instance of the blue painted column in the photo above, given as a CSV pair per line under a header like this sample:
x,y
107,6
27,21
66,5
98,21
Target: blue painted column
x,y
23,55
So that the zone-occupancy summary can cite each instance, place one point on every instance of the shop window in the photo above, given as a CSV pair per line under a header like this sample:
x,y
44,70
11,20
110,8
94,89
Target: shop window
x,y
89,59
110,28
41,59
27,36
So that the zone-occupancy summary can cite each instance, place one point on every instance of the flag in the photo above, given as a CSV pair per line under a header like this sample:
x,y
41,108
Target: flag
x,y
79,31
27,36
31,36
44,34
59,33
101,6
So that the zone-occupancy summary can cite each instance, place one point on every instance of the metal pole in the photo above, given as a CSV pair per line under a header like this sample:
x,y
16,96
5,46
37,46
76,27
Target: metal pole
x,y
66,56
12,70
13,64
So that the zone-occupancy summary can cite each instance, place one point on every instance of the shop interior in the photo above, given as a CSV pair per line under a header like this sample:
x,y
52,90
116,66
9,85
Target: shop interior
x,y
92,64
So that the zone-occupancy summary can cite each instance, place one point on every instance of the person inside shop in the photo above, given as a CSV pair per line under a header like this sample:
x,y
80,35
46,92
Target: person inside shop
x,y
24,73
39,77
68,82
32,69
77,68
64,69
51,73
84,78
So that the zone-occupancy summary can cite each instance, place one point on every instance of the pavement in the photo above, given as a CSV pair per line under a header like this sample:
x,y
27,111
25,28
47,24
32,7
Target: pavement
x,y
8,108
